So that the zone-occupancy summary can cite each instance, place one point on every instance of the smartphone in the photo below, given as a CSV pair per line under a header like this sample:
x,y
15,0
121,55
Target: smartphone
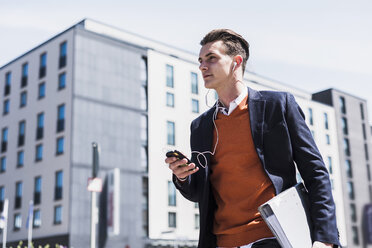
x,y
178,155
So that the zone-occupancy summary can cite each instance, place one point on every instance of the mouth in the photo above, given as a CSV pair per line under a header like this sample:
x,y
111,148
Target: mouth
x,y
207,76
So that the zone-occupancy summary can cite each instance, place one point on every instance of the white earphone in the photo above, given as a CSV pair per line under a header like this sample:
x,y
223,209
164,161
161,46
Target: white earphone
x,y
235,64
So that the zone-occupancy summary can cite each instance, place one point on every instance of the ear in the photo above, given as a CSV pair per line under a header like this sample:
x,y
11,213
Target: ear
x,y
238,59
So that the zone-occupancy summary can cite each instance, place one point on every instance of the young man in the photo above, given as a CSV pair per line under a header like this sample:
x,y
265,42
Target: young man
x,y
244,151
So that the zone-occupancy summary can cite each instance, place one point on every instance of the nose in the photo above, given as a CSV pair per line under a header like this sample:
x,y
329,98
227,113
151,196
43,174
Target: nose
x,y
202,67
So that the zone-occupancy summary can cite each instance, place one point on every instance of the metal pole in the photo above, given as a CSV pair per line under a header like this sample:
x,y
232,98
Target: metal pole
x,y
5,212
30,223
93,221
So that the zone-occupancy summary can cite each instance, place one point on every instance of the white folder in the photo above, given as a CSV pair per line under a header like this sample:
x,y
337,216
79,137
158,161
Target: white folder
x,y
287,215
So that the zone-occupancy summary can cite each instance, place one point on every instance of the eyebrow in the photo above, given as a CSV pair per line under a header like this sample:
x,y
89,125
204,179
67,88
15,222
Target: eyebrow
x,y
208,54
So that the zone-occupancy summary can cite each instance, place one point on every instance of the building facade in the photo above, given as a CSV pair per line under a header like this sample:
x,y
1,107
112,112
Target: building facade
x,y
136,98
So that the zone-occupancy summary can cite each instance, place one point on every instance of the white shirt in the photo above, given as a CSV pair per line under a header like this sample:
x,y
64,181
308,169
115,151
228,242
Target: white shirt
x,y
233,104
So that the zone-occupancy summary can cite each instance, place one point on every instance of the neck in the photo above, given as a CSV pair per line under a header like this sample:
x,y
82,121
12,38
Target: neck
x,y
228,94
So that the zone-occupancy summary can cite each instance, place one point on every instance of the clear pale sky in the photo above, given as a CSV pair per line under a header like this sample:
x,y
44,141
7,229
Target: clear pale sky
x,y
312,45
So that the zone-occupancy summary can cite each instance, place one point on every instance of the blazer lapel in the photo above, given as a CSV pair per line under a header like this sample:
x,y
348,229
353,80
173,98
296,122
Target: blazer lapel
x,y
256,107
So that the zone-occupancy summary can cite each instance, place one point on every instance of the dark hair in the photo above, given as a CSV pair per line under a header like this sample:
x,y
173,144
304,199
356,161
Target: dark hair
x,y
235,43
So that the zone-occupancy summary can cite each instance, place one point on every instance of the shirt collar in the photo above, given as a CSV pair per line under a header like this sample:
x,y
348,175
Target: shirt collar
x,y
233,104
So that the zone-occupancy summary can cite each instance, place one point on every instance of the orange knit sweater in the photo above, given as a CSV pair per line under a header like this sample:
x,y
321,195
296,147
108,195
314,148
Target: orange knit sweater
x,y
239,182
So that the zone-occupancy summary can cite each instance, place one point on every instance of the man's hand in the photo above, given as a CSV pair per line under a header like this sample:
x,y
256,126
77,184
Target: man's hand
x,y
181,171
318,244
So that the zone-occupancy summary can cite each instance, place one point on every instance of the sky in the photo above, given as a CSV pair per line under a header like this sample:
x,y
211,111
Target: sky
x,y
311,45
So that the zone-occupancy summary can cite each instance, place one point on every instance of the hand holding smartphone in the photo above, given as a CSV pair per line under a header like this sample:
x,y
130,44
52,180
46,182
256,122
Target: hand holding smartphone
x,y
178,155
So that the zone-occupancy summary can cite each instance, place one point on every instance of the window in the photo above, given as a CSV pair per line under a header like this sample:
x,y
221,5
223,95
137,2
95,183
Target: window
x,y
40,126
62,81
344,125
361,111
2,164
57,214
170,133
6,107
342,105
313,134
346,147
364,131
171,194
21,133
37,190
18,196
366,151
349,170
353,212
63,54
330,165
144,159
20,159
194,83
144,129
61,118
43,64
170,99
368,173
350,190
355,235
4,139
170,81
143,96
172,219
39,152
41,91
17,222
8,79
311,120
326,121
2,198
36,219
58,186
23,99
60,145
195,106
197,221
328,139
24,75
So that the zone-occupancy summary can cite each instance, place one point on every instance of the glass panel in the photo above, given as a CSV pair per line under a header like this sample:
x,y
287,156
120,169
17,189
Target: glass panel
x,y
61,112
171,194
311,121
38,184
20,158
330,165
349,171
194,83
60,143
172,219
350,190
170,99
170,133
195,106
59,179
41,90
3,164
342,105
62,81
325,120
40,120
19,189
25,70
63,49
170,81
43,60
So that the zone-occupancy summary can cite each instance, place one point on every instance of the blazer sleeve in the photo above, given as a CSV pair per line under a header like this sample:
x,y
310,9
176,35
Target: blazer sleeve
x,y
314,173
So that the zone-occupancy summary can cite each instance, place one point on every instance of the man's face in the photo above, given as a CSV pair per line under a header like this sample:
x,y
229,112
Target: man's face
x,y
215,65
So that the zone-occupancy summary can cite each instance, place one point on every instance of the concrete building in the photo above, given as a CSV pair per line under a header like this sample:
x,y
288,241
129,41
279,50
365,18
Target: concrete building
x,y
354,139
136,98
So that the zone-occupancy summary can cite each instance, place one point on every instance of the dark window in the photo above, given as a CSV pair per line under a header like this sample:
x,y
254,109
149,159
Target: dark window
x,y
171,194
6,107
143,101
37,190
353,212
330,165
36,219
21,133
328,139
24,75
349,170
60,145
20,159
344,126
170,79
2,198
58,186
355,235
40,126
63,54
197,221
346,147
366,151
195,105
342,105
170,99
23,99
171,140
41,91
172,222
311,120
43,65
8,80
194,83
325,120
17,222
364,131
368,173
350,190
57,214
4,139
361,111
18,196
62,81
2,164
61,118
39,152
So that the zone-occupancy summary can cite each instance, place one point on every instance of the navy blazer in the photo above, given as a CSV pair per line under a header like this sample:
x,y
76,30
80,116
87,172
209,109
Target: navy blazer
x,y
281,138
